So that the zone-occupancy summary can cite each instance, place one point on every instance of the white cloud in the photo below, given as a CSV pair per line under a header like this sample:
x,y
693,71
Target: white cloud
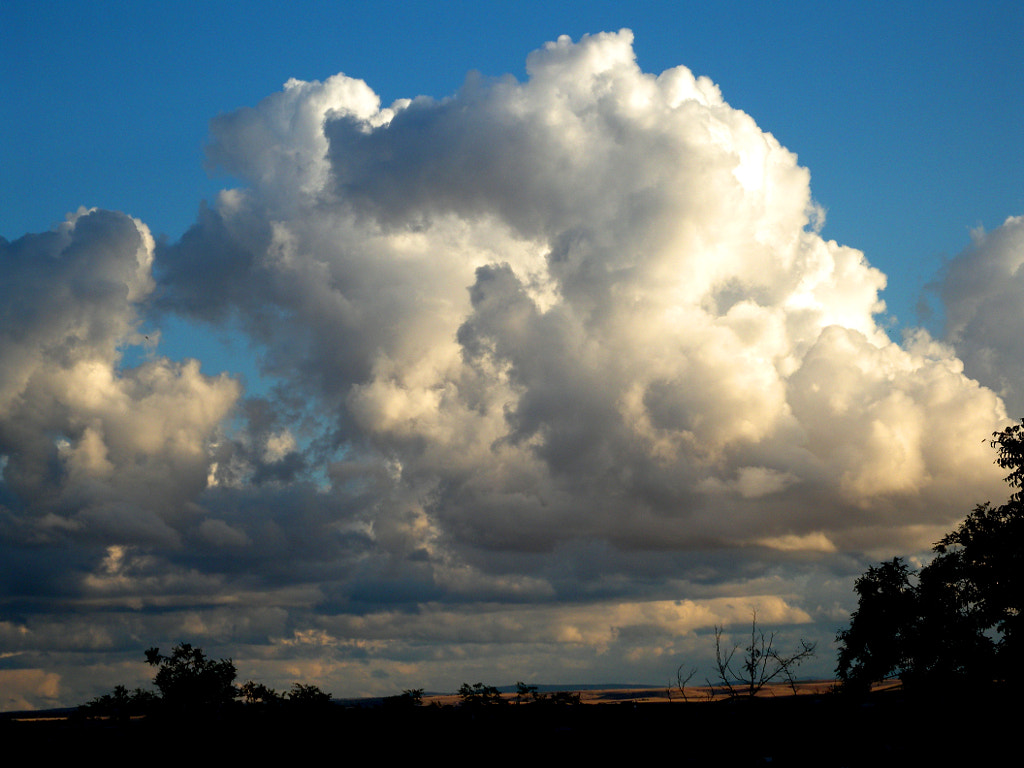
x,y
594,304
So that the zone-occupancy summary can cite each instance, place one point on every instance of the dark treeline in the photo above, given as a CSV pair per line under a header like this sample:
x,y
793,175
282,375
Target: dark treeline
x,y
804,730
191,685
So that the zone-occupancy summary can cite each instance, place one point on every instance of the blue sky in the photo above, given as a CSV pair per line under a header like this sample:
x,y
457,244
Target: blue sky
x,y
536,378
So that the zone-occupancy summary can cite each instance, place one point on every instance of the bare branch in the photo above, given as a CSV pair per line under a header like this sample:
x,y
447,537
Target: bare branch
x,y
724,661
761,662
683,679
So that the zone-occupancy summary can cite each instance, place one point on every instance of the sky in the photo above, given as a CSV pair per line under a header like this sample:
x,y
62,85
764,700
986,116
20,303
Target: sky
x,y
425,344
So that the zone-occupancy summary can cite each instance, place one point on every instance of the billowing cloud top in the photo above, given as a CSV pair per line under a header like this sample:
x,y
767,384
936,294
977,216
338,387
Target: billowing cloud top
x,y
528,337
591,305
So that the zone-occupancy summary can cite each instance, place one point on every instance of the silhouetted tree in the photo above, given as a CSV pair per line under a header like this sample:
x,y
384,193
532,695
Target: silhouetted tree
x,y
683,676
923,628
963,621
760,664
480,695
257,694
407,699
877,644
525,693
121,704
188,680
981,565
308,696
984,560
558,699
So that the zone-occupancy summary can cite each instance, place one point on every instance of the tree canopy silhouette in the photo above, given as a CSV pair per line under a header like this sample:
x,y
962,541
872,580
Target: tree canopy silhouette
x,y
960,618
190,683
308,696
121,703
480,695
187,679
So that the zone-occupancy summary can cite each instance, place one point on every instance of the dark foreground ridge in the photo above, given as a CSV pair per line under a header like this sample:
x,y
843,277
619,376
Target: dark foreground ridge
x,y
882,729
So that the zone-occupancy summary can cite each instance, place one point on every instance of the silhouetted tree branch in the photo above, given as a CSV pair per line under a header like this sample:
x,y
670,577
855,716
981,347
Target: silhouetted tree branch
x,y
760,664
682,678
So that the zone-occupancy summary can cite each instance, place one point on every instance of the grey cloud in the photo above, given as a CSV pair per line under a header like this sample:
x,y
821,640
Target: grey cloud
x,y
94,452
982,291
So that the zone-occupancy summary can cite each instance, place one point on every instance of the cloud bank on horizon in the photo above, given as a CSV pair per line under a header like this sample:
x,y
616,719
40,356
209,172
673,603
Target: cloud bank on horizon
x,y
564,374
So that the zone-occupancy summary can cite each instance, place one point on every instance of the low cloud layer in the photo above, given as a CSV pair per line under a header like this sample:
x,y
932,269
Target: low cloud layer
x,y
562,370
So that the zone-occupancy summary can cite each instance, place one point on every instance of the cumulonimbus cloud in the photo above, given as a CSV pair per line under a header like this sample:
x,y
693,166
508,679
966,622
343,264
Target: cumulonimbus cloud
x,y
595,304
540,341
